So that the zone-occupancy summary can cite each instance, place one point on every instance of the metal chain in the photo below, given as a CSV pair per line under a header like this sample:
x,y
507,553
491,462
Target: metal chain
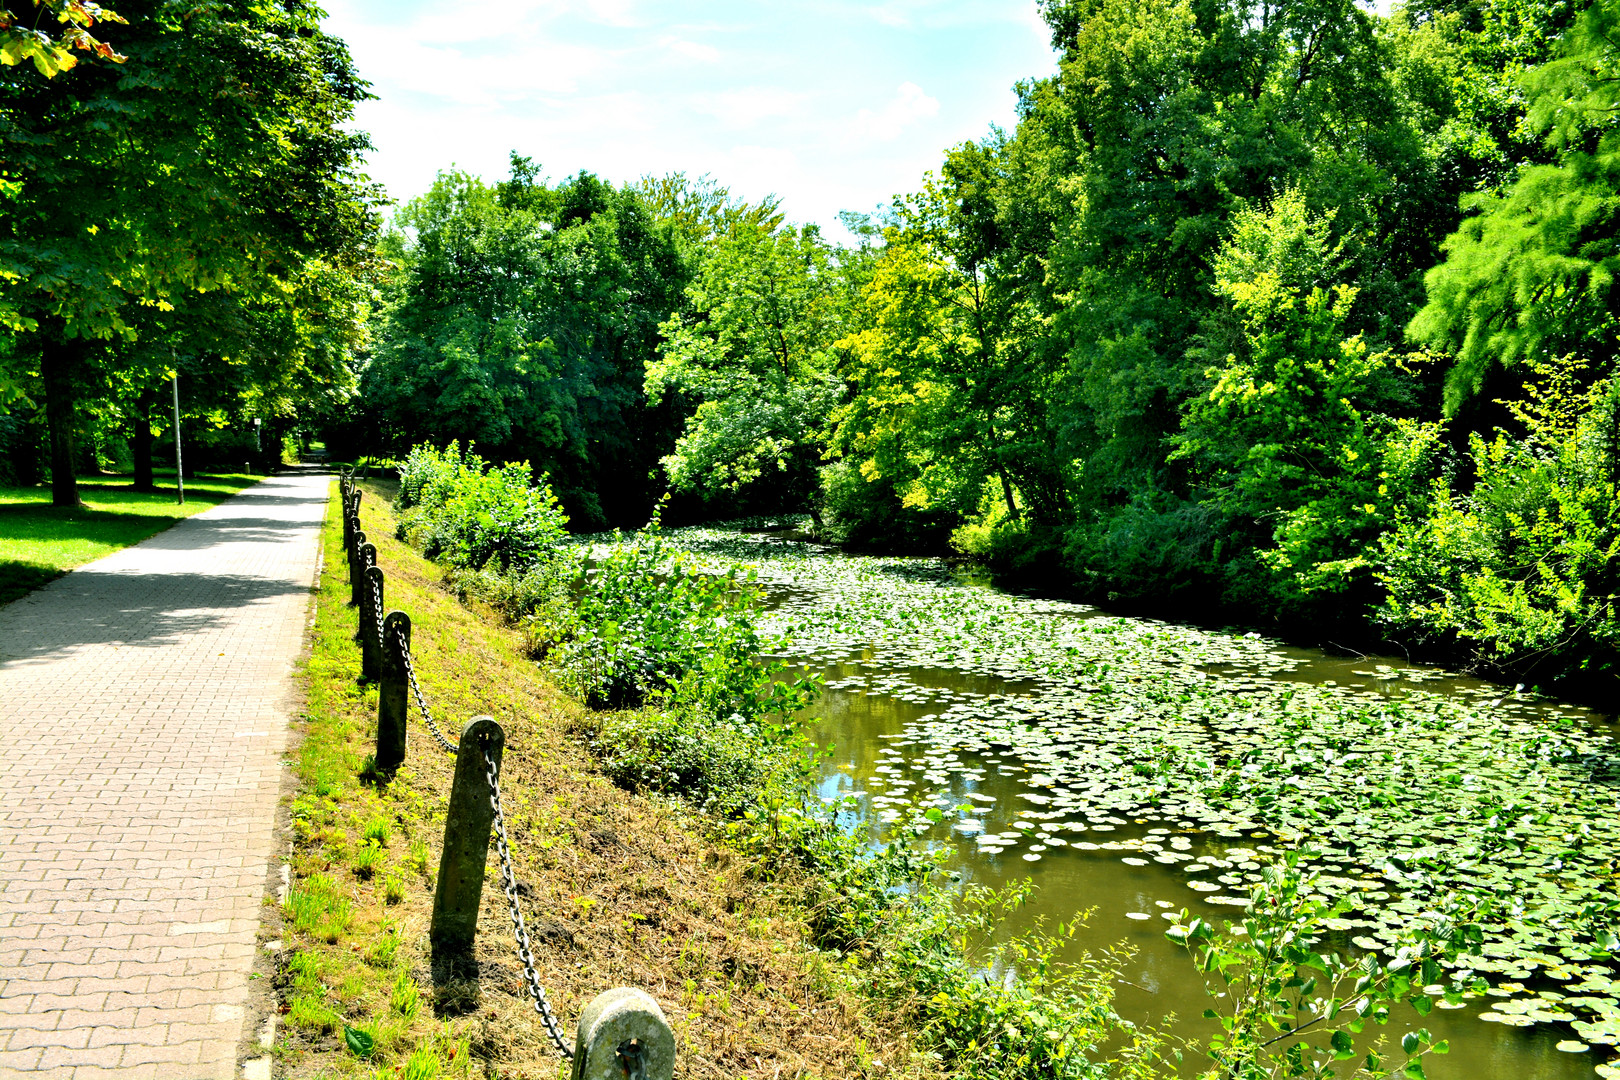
x,y
416,689
509,883
508,878
376,606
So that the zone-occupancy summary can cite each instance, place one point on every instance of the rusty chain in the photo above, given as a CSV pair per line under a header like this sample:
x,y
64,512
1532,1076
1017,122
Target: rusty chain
x,y
376,607
509,883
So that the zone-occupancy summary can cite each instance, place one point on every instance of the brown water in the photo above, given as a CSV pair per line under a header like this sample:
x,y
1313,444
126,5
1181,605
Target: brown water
x,y
872,719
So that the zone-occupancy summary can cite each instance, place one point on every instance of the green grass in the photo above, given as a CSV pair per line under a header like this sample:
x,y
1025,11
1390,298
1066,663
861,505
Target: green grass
x,y
40,542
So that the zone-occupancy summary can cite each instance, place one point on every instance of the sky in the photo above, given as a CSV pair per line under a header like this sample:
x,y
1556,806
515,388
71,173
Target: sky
x,y
828,105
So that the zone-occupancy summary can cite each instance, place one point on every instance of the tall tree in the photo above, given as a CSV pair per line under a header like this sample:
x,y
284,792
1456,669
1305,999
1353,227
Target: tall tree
x,y
521,319
213,158
1531,274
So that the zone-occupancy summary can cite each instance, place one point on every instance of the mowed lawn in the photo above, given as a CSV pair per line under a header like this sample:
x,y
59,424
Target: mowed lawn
x,y
40,542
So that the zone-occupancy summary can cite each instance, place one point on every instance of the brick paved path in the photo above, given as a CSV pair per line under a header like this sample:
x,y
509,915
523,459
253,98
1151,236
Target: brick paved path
x,y
143,716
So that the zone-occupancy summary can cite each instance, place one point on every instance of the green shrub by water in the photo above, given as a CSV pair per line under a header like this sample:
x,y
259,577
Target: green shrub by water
x,y
472,514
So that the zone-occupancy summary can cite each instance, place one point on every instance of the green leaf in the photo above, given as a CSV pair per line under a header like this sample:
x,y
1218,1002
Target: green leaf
x,y
1343,1046
360,1043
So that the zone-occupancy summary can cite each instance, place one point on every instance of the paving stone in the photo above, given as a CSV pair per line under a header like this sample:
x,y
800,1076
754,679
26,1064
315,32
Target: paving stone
x,y
143,716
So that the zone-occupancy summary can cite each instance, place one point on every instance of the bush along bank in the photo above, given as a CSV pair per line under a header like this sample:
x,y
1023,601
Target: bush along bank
x,y
665,649
665,652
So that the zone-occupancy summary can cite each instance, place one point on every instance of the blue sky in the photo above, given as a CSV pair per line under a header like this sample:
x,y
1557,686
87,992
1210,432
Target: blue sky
x,y
831,106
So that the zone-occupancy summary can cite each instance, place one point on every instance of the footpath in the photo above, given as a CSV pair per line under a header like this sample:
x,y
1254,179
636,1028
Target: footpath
x,y
144,703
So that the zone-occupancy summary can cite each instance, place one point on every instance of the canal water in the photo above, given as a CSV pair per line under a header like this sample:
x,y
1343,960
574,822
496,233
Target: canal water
x,y
1144,772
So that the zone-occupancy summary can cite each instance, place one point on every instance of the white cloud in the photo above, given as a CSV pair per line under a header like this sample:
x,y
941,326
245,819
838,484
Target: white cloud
x,y
820,101
694,50
611,12
746,107
909,105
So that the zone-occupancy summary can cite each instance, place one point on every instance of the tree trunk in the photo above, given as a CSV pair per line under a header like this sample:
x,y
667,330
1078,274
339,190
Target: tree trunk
x,y
1007,493
140,442
56,361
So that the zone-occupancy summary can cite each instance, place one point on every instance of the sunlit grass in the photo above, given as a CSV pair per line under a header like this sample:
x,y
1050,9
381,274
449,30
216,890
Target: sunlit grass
x,y
40,542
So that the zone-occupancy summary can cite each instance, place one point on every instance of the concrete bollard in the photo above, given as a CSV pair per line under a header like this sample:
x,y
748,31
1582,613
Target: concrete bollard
x,y
356,538
357,568
370,642
623,1036
466,840
393,699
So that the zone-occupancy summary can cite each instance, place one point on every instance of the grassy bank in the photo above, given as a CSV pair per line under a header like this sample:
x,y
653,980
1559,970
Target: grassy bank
x,y
40,542
619,889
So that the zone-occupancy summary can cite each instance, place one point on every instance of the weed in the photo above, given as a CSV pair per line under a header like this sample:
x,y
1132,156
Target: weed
x,y
423,1064
393,888
366,861
376,830
382,950
406,997
419,855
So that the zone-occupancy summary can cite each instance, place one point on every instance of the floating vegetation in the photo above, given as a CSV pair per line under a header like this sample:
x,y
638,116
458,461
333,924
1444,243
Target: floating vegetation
x,y
1209,752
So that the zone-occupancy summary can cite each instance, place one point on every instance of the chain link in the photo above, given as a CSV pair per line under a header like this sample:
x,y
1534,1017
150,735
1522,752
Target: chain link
x,y
509,883
376,607
416,689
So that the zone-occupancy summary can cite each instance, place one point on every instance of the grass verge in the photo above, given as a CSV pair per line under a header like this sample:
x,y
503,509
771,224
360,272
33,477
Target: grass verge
x,y
40,542
618,889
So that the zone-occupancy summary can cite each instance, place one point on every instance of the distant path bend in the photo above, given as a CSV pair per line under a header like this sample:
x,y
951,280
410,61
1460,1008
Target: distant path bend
x,y
144,703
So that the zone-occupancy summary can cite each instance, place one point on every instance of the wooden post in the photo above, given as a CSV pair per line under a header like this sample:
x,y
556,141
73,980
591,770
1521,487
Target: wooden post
x,y
623,1033
370,641
466,839
392,692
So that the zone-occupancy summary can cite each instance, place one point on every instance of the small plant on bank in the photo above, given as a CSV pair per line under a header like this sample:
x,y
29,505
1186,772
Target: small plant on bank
x,y
406,997
318,908
419,855
376,831
1293,1007
367,859
393,888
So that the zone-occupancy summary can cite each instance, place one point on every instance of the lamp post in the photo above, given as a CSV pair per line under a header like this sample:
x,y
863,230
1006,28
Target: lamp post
x,y
179,468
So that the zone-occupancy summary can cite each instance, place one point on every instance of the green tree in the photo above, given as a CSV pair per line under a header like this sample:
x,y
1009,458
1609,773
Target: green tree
x,y
1289,442
1531,274
215,157
753,357
521,318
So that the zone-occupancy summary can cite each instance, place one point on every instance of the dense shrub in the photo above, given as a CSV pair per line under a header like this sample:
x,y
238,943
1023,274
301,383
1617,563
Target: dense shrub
x,y
863,514
719,766
1519,571
472,514
651,624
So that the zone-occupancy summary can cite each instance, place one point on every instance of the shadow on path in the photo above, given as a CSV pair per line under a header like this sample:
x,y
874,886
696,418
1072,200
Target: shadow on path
x,y
132,610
